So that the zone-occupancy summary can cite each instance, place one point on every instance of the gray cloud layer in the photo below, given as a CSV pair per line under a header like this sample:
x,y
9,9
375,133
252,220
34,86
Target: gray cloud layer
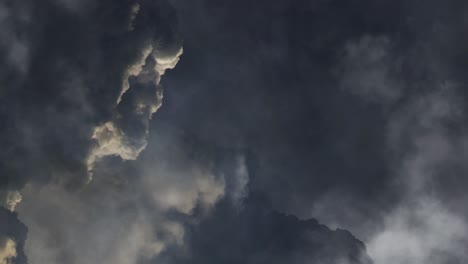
x,y
349,112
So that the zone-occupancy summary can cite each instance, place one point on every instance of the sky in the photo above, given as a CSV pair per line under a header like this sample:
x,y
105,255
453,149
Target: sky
x,y
233,131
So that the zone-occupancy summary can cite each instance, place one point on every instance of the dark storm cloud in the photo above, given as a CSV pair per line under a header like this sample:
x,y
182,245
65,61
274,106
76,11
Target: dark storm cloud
x,y
350,111
341,101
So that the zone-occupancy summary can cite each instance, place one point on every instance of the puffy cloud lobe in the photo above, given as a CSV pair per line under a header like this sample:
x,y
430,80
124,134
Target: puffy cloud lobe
x,y
125,135
421,231
10,199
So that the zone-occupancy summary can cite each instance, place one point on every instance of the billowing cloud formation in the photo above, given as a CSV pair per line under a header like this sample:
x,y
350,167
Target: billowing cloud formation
x,y
123,215
125,136
64,91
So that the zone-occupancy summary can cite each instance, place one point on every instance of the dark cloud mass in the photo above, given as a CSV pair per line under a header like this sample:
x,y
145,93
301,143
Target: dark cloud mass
x,y
354,109
255,234
280,112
